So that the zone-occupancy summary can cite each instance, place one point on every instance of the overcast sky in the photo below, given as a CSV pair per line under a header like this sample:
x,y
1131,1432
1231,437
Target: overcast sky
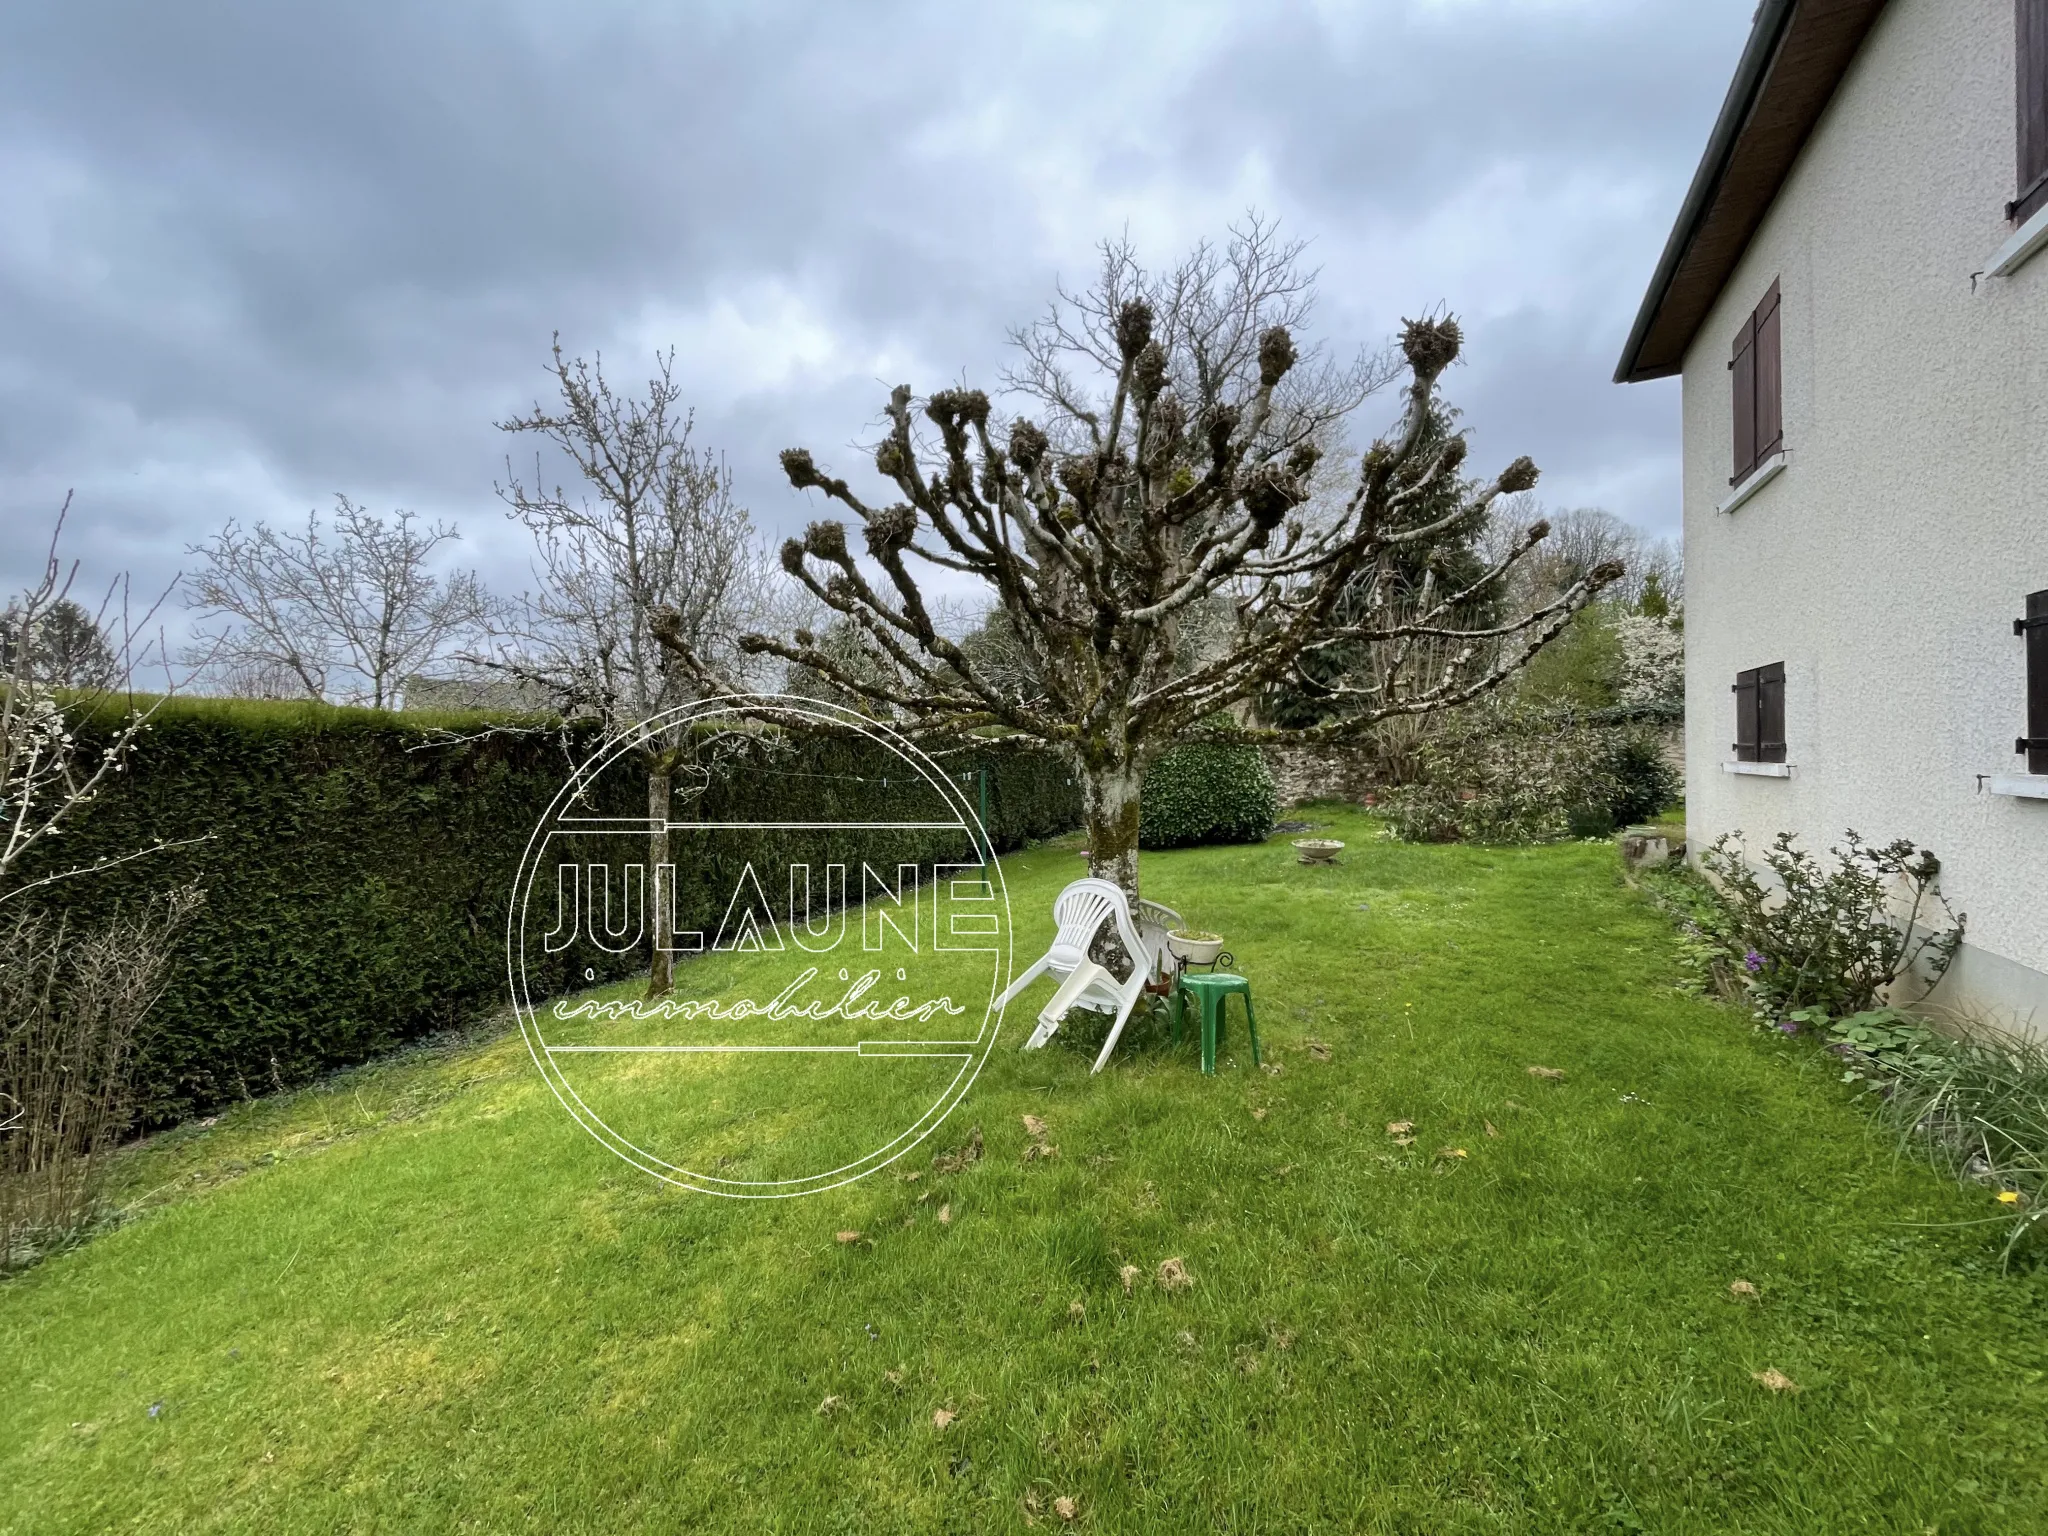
x,y
253,253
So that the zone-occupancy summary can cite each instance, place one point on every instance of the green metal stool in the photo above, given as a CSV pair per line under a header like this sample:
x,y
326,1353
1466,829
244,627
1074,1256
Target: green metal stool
x,y
1210,991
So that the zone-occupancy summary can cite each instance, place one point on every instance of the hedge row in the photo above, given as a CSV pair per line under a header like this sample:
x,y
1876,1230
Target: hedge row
x,y
357,867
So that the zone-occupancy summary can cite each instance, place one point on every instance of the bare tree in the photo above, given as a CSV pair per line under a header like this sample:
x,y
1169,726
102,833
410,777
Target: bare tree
x,y
244,676
654,529
70,1002
1581,540
1179,461
51,769
348,613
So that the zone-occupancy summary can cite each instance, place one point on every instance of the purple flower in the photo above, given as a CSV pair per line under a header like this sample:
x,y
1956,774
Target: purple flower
x,y
1788,1027
1753,962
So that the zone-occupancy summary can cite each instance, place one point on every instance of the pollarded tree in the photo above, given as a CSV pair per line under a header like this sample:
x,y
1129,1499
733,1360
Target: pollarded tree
x,y
1177,465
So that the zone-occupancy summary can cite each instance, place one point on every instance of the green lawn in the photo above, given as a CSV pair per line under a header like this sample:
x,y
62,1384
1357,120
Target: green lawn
x,y
420,1298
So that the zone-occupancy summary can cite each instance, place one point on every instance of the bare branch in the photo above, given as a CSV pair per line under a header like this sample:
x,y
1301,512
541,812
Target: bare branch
x,y
53,763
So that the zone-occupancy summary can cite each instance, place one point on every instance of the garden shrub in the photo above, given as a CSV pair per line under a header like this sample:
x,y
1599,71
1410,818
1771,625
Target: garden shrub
x,y
1827,938
356,870
1644,780
1200,793
1511,774
1813,952
72,1005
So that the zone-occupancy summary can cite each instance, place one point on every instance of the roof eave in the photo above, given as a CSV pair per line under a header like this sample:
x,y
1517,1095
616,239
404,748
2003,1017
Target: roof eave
x,y
1766,33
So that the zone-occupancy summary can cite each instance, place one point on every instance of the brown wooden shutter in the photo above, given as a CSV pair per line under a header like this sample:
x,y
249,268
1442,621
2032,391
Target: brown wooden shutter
x,y
2032,50
1743,367
1770,375
2035,627
1770,713
1745,716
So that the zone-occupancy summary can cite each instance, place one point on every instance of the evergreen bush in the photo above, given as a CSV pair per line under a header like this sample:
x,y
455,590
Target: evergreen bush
x,y
1200,793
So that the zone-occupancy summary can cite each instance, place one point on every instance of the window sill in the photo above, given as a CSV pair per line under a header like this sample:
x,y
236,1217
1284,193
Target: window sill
x,y
2024,786
1760,770
1755,481
2026,241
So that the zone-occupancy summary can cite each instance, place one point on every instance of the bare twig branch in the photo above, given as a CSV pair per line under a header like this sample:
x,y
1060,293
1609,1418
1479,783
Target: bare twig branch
x,y
346,613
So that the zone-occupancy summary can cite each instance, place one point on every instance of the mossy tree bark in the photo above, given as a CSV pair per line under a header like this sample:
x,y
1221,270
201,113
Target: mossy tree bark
x,y
1110,801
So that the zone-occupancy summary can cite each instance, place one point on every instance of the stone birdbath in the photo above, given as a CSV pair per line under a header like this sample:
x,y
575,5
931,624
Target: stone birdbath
x,y
1318,850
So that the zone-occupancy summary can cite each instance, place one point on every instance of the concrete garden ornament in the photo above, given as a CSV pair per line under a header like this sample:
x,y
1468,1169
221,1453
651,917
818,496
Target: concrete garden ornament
x,y
1195,947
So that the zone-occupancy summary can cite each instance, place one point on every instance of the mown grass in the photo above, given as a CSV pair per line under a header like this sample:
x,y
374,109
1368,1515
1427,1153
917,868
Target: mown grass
x,y
419,1298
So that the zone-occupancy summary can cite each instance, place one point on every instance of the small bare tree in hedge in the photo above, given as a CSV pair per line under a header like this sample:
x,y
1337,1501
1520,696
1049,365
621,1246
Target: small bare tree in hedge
x,y
654,528
1176,467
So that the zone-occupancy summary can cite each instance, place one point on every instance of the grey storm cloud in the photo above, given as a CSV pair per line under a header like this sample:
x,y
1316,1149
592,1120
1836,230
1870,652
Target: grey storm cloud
x,y
253,254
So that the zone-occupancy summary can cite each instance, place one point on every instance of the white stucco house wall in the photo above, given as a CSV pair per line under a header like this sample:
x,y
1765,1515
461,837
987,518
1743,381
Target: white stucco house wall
x,y
1884,164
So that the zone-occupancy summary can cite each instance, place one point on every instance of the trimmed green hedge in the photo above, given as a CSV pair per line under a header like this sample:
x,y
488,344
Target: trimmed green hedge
x,y
1199,793
357,871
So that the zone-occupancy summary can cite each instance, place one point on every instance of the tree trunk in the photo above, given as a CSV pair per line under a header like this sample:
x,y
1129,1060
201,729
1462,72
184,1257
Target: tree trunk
x,y
661,969
1109,796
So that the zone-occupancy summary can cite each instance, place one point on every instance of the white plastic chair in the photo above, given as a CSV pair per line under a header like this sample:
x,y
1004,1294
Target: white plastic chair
x,y
1078,913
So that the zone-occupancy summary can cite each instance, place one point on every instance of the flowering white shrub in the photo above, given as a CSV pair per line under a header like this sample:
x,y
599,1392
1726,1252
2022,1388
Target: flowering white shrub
x,y
1652,661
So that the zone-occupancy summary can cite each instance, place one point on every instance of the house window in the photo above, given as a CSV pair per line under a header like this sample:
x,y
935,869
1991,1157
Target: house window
x,y
1759,387
1760,714
2032,52
2034,627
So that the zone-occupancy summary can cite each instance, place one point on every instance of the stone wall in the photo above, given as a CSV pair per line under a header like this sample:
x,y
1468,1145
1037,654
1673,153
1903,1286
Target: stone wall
x,y
1321,772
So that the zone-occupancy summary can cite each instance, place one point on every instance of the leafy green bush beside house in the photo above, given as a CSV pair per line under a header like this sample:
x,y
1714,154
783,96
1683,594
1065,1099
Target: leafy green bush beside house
x,y
1832,938
357,867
